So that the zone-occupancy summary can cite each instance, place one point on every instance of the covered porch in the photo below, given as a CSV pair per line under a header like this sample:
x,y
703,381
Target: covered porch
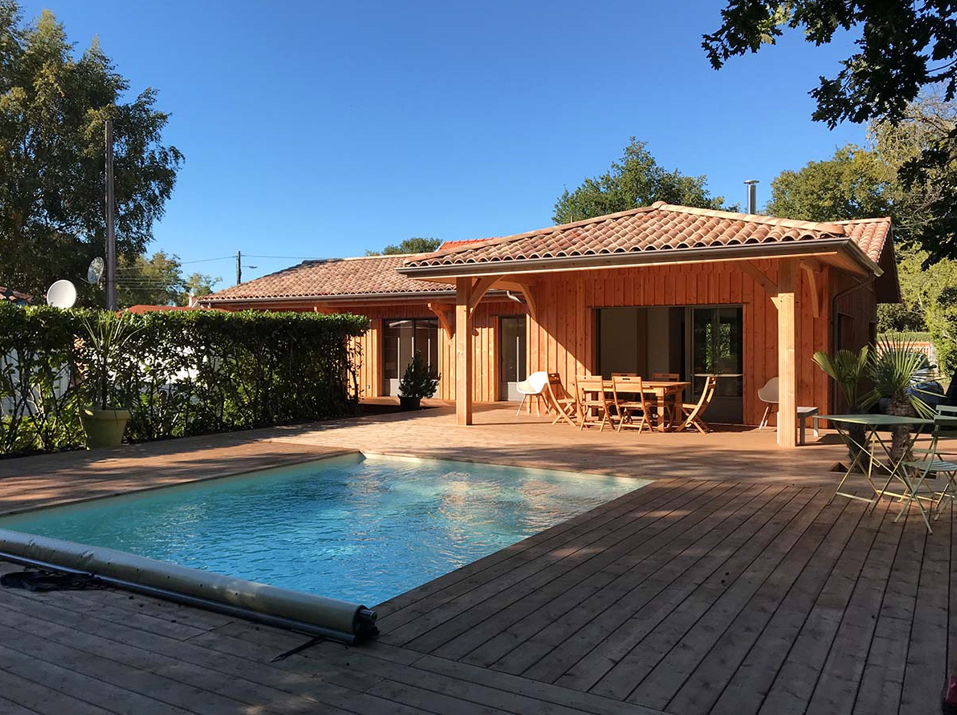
x,y
695,291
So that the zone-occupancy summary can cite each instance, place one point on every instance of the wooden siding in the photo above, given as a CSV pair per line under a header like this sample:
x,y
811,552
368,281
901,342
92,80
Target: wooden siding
x,y
564,337
485,364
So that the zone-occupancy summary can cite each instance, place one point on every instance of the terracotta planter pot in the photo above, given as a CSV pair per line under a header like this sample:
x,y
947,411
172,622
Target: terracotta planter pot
x,y
104,428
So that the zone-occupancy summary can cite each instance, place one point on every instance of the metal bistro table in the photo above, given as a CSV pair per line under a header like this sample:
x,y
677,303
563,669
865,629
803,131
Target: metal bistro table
x,y
873,443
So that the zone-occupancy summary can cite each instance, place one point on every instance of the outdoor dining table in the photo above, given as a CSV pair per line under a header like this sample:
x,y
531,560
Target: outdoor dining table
x,y
661,390
874,450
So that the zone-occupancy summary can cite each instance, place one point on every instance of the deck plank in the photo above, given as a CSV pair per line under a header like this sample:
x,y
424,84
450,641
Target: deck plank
x,y
549,654
686,636
640,530
794,684
780,593
733,532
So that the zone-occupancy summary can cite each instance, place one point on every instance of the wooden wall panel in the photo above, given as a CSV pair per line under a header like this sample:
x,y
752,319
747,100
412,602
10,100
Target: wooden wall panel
x,y
569,301
564,339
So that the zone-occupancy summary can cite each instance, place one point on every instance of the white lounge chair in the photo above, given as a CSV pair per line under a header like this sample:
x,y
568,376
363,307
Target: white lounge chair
x,y
769,395
533,386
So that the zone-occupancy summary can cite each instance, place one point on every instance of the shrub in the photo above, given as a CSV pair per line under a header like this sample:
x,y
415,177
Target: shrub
x,y
179,373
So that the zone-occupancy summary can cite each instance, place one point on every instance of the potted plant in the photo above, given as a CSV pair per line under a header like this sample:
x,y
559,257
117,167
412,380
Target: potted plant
x,y
848,369
897,371
105,335
418,381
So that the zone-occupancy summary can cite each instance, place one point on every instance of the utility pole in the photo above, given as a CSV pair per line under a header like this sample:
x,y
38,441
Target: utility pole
x,y
239,267
110,222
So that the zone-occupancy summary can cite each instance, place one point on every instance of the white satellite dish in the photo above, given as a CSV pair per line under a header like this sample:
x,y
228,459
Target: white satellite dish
x,y
62,294
95,271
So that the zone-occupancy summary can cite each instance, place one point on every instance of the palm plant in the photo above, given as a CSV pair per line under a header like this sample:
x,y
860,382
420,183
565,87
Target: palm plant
x,y
896,371
105,336
848,370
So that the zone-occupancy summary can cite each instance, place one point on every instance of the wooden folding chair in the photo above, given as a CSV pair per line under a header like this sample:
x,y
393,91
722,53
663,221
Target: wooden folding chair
x,y
635,406
566,406
692,411
592,396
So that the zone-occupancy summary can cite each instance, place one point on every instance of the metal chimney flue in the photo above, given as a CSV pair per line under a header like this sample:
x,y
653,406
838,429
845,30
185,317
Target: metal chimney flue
x,y
752,185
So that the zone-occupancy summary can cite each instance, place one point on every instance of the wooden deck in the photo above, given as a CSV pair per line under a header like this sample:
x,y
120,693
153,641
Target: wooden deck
x,y
722,596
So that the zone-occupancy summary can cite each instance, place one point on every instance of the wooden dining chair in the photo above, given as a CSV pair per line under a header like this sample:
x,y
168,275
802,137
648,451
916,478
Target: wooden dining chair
x,y
592,396
623,374
566,406
632,408
692,411
665,376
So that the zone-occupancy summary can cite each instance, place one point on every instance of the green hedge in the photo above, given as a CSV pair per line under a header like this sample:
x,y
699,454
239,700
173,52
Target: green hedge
x,y
182,373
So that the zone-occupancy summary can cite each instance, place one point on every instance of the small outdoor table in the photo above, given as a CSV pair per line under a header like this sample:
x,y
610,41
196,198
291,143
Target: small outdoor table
x,y
874,441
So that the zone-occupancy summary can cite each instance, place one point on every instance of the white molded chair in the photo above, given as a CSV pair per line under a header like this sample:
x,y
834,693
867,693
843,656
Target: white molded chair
x,y
769,395
533,386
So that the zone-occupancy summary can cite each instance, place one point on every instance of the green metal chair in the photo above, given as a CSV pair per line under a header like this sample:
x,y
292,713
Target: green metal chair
x,y
932,465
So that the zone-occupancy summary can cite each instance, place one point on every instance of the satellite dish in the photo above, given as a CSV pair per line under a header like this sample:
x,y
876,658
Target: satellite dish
x,y
95,271
61,294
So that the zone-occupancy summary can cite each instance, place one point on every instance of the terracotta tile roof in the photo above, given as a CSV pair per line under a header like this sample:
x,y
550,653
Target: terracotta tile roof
x,y
330,278
464,242
13,296
657,227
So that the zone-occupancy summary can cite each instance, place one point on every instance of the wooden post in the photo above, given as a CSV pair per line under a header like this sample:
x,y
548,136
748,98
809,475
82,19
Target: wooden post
x,y
786,302
463,351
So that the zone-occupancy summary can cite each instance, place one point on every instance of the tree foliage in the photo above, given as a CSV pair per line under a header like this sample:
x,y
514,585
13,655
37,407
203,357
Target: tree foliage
x,y
53,105
158,280
904,50
416,244
863,182
854,183
634,180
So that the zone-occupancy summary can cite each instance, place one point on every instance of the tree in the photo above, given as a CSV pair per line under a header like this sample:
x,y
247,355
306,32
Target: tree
x,y
158,280
416,244
863,182
634,180
197,285
854,183
53,106
154,281
904,49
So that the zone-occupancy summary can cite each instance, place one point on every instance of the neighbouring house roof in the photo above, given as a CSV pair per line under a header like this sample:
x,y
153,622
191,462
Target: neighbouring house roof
x,y
334,278
12,296
656,228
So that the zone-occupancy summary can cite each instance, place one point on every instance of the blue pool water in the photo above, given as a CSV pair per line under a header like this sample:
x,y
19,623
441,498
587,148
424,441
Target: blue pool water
x,y
359,529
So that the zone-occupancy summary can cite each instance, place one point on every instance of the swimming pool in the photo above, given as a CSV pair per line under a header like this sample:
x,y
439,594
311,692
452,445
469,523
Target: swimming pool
x,y
358,528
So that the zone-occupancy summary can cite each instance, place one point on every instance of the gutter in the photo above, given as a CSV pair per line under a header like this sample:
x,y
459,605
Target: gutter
x,y
350,298
656,257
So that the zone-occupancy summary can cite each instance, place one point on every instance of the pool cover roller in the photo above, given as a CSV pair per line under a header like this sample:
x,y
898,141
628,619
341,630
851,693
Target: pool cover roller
x,y
329,617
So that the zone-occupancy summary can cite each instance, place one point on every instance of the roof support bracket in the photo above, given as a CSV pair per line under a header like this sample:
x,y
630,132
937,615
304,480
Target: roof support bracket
x,y
480,287
445,312
812,269
761,278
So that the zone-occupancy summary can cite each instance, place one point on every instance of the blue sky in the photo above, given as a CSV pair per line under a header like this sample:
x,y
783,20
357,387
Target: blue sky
x,y
321,129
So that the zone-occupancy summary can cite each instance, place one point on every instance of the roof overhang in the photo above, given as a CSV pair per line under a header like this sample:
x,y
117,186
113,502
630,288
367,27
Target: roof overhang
x,y
370,298
842,253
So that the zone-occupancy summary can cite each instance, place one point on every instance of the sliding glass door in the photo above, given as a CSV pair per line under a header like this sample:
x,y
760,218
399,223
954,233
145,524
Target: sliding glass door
x,y
401,339
716,349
